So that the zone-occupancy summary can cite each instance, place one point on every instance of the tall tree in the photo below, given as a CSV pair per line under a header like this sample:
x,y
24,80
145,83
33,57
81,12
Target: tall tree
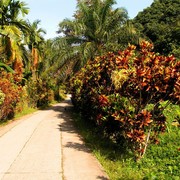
x,y
34,40
12,29
161,24
93,31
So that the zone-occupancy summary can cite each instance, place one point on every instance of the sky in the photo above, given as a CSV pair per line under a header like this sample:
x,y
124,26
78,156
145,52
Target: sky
x,y
52,12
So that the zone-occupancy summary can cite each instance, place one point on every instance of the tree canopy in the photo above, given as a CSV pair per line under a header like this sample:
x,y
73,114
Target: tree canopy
x,y
161,24
93,30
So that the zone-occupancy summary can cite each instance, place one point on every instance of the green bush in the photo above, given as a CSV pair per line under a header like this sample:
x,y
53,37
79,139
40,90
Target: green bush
x,y
39,93
161,161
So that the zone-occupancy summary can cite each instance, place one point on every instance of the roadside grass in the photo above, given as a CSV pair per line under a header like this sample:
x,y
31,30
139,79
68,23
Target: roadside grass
x,y
25,111
161,161
29,110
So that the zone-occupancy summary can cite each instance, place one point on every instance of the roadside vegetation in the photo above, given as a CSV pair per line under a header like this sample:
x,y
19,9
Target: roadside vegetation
x,y
25,61
123,74
160,162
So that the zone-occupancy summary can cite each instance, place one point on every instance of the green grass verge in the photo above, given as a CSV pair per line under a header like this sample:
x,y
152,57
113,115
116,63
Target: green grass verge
x,y
161,162
24,112
29,110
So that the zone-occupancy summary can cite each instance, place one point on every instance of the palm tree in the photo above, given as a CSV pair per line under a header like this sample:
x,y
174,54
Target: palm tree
x,y
45,66
12,29
35,40
93,31
11,26
10,10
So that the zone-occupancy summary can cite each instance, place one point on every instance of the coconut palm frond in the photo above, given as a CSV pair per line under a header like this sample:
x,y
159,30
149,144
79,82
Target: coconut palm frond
x,y
8,68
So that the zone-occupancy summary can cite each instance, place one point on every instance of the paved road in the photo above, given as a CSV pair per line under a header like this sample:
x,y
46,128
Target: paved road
x,y
45,146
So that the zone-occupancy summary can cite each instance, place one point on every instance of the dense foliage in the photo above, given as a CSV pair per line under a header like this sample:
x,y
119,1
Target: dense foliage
x,y
162,160
10,95
23,62
95,29
161,25
126,93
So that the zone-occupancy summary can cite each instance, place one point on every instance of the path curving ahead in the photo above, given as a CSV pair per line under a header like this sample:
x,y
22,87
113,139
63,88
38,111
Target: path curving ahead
x,y
46,146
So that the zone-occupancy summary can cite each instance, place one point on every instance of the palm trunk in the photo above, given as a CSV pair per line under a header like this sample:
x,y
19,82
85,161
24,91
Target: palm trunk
x,y
35,62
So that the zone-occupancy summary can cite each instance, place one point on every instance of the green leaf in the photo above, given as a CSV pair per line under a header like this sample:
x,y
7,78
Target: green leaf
x,y
6,67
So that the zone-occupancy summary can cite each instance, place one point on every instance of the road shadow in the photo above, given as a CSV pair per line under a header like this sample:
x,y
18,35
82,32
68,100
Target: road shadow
x,y
67,126
63,106
77,146
102,178
65,110
71,140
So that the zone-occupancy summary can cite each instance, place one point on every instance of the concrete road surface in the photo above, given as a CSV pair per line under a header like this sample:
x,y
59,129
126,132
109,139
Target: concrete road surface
x,y
46,146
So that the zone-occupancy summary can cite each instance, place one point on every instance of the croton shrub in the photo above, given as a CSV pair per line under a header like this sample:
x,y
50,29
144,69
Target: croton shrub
x,y
125,94
17,93
10,89
10,92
